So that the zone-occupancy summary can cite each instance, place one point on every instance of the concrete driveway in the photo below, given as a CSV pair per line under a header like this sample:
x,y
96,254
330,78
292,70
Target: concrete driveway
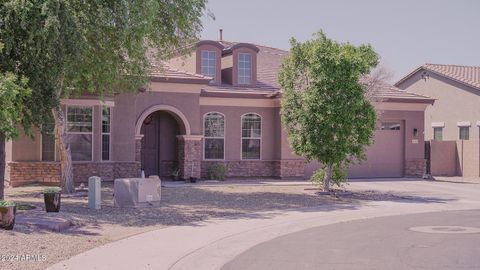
x,y
213,244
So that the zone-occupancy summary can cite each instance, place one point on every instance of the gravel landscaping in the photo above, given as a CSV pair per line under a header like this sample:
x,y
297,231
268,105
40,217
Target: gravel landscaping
x,y
183,205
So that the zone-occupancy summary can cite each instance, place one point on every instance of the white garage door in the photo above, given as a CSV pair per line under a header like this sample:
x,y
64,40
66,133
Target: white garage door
x,y
385,157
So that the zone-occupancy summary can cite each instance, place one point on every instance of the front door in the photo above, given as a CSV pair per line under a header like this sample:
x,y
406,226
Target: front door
x,y
149,153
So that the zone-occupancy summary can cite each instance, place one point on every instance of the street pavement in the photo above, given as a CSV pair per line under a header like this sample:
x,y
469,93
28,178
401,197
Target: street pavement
x,y
399,242
218,243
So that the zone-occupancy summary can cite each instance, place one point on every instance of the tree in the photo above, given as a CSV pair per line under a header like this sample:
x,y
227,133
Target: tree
x,y
67,48
324,106
13,92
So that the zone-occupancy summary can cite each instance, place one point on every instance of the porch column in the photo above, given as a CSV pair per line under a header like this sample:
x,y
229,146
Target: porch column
x,y
189,155
138,147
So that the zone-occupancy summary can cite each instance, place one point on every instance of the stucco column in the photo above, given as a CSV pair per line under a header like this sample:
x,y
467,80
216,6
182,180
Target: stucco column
x,y
138,147
189,155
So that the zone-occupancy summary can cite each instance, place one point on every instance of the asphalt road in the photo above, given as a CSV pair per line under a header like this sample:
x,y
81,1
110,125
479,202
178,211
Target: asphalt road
x,y
379,243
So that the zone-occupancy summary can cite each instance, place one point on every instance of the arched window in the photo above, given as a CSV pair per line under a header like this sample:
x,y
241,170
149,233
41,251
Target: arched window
x,y
251,136
214,135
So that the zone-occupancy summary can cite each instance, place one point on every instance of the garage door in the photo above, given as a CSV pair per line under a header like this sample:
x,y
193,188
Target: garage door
x,y
385,156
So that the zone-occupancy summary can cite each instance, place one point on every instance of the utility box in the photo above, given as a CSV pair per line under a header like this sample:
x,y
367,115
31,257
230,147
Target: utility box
x,y
94,192
137,192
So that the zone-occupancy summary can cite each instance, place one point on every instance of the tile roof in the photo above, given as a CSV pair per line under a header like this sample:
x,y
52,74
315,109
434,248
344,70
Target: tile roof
x,y
167,72
269,61
468,75
391,93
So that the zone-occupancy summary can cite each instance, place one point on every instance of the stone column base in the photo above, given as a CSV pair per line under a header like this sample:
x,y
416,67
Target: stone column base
x,y
415,167
189,156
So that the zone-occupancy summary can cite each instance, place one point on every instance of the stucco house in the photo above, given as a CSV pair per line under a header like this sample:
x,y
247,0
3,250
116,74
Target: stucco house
x,y
456,90
218,105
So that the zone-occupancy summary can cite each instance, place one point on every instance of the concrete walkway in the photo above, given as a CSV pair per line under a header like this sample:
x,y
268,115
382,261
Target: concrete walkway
x,y
211,244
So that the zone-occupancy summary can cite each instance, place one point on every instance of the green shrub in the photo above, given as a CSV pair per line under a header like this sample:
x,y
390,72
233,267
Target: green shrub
x,y
6,203
216,171
51,190
339,176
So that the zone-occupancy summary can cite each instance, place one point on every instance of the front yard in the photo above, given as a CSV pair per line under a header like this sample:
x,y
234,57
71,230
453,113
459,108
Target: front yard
x,y
181,205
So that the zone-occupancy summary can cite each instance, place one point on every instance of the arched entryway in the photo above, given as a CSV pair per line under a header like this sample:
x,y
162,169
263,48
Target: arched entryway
x,y
159,146
163,143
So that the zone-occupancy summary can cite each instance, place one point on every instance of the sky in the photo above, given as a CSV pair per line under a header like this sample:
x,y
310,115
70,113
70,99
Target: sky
x,y
406,34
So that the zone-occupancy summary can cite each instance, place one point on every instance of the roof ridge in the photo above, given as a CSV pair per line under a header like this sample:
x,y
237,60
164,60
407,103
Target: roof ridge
x,y
256,44
451,65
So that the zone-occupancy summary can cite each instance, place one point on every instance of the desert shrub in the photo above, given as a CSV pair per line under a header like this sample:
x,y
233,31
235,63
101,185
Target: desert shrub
x,y
216,171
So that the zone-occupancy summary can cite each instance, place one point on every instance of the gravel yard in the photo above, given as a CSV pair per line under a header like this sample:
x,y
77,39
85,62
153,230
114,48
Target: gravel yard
x,y
180,206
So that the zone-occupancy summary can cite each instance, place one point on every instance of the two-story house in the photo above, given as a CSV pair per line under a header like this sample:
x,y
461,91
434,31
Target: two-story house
x,y
218,105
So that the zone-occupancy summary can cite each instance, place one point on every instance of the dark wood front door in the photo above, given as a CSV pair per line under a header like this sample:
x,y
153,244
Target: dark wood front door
x,y
150,149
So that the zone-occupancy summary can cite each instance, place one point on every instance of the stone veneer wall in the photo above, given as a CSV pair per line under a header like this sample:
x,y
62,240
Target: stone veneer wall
x,y
243,168
415,167
189,153
49,173
294,168
259,168
23,173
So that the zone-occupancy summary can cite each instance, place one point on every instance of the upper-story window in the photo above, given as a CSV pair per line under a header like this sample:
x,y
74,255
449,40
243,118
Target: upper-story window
x,y
214,135
244,68
464,133
80,132
209,59
438,133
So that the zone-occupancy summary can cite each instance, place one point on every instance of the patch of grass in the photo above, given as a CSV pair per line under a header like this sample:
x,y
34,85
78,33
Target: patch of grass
x,y
6,203
25,207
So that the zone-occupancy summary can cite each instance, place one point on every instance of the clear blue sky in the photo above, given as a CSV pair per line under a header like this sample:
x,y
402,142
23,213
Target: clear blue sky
x,y
405,33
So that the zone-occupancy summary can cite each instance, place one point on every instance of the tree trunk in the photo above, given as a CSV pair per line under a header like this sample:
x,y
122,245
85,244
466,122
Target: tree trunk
x,y
66,180
326,178
2,165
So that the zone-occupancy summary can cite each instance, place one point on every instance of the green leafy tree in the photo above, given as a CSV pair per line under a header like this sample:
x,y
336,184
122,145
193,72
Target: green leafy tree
x,y
13,92
67,48
324,106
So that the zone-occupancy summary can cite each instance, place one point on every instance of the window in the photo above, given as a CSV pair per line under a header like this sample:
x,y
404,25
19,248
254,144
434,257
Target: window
x,y
244,68
209,60
214,134
106,120
438,133
390,126
464,133
251,136
79,132
48,143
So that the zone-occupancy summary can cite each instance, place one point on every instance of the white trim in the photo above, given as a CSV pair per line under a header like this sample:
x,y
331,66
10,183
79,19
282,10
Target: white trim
x,y
106,133
438,124
190,137
241,136
167,108
464,124
91,133
224,136
87,102
478,123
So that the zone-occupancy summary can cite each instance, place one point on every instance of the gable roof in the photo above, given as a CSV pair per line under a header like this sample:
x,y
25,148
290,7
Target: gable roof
x,y
166,73
467,75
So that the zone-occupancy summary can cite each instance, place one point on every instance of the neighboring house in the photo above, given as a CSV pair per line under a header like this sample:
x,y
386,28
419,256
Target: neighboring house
x,y
218,105
456,90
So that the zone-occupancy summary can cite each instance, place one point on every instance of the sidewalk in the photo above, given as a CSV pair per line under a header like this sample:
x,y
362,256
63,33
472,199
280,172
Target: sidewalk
x,y
211,244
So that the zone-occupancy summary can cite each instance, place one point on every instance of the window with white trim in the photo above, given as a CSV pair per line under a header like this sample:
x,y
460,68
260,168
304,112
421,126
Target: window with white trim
x,y
106,121
464,133
48,142
251,136
80,132
244,68
214,135
438,133
209,60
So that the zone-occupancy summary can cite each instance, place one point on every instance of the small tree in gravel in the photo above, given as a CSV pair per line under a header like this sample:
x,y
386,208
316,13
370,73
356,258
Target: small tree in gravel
x,y
325,109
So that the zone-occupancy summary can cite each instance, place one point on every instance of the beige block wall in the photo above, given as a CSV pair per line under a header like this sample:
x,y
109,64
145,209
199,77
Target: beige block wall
x,y
455,158
454,102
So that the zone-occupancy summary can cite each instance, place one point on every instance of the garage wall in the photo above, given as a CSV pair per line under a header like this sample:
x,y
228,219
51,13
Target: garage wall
x,y
393,153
